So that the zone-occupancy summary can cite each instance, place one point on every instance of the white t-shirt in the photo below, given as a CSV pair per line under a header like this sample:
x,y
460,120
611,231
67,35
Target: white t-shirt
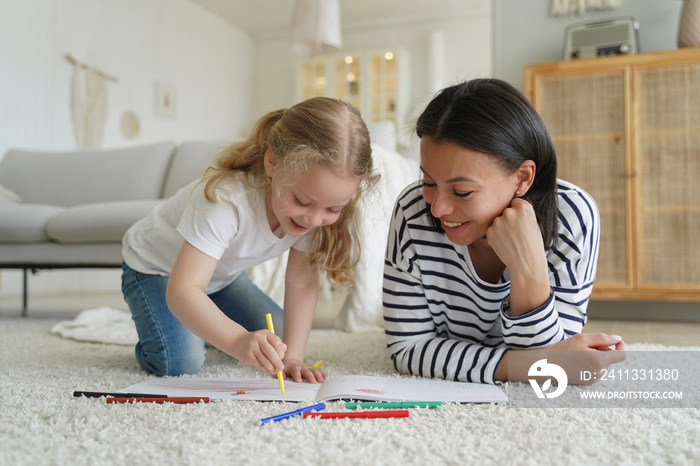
x,y
234,230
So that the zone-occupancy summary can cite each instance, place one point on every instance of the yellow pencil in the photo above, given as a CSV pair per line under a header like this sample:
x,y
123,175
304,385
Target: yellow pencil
x,y
271,328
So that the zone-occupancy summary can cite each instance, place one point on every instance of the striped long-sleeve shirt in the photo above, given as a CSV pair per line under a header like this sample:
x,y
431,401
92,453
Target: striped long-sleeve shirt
x,y
441,320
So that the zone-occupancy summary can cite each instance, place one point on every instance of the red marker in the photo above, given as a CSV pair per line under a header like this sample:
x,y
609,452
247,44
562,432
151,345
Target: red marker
x,y
172,399
362,414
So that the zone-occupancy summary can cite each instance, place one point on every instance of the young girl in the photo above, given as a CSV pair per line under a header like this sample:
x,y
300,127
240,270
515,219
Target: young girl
x,y
292,185
490,255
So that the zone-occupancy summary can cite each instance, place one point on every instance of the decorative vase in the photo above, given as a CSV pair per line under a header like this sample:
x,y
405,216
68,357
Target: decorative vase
x,y
689,26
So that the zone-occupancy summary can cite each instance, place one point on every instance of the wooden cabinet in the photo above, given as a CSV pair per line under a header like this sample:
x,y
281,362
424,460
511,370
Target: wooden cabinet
x,y
627,130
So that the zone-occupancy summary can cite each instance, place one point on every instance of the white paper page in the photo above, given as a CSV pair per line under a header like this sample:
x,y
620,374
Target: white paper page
x,y
355,387
360,387
227,389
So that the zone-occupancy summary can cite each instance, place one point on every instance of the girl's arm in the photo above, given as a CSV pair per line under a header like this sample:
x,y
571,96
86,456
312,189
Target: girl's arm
x,y
300,300
187,300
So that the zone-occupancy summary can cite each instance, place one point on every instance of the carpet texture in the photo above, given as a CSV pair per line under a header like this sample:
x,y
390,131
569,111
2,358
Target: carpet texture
x,y
41,423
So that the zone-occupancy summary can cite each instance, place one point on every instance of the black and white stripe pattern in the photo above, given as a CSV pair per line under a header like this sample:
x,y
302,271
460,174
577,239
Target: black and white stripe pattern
x,y
441,320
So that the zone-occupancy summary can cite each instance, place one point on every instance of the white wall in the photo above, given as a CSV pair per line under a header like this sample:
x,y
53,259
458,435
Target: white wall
x,y
524,32
467,54
139,41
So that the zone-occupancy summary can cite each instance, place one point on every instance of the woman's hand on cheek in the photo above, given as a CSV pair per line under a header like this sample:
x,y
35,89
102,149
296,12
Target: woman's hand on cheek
x,y
516,238
299,372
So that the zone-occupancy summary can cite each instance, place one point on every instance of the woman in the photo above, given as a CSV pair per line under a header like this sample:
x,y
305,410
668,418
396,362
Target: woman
x,y
489,255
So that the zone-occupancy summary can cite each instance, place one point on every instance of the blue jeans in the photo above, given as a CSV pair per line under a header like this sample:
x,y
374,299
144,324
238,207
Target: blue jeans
x,y
166,346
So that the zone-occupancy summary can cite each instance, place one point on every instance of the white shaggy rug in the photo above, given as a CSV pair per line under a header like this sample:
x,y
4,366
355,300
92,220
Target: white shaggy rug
x,y
41,423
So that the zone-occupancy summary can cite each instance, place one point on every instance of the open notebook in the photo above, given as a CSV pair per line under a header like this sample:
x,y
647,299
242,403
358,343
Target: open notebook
x,y
336,387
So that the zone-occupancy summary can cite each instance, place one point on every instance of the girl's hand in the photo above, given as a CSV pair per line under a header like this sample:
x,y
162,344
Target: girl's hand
x,y
298,371
262,349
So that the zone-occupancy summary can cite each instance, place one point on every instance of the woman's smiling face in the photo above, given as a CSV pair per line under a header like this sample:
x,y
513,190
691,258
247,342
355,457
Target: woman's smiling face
x,y
466,190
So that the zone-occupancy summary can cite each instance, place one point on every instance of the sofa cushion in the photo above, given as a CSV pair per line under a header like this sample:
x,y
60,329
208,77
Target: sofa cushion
x,y
70,178
98,222
25,223
190,161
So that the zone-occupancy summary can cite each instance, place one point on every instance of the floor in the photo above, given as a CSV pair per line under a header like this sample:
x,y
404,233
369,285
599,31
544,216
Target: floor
x,y
632,331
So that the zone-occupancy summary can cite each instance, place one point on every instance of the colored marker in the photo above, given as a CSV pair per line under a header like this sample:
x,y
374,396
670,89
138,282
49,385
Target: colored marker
x,y
119,395
271,328
298,412
360,414
170,399
316,365
399,405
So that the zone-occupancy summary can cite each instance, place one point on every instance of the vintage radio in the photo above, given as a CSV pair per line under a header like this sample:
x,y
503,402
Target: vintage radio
x,y
614,36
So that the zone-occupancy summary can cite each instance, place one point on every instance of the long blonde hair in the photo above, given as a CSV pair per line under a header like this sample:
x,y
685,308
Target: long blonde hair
x,y
318,131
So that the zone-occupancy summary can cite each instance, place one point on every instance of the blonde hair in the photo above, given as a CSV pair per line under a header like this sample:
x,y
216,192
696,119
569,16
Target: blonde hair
x,y
319,131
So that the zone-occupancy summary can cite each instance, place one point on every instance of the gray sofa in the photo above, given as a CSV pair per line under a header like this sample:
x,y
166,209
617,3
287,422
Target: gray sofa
x,y
75,206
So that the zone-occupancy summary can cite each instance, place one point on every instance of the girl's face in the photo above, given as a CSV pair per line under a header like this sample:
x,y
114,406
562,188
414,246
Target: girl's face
x,y
466,190
314,199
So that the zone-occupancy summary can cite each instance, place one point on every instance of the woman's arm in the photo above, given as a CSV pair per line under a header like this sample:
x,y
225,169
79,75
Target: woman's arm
x,y
585,351
300,300
452,351
570,263
412,335
516,238
188,301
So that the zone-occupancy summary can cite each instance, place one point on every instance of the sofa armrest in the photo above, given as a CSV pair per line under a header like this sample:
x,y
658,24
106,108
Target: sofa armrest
x,y
189,162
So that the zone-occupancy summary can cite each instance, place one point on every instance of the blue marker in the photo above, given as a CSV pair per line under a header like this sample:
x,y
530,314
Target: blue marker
x,y
298,412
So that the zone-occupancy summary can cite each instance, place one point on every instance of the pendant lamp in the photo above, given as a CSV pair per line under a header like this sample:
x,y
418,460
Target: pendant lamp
x,y
316,27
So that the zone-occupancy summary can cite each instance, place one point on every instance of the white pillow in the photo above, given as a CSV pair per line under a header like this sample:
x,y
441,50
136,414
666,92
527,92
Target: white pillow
x,y
363,307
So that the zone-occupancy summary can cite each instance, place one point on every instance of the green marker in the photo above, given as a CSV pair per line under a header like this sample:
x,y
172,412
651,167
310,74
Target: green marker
x,y
399,405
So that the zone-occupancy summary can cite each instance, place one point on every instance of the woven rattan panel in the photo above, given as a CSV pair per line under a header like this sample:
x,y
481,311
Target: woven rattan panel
x,y
668,142
585,117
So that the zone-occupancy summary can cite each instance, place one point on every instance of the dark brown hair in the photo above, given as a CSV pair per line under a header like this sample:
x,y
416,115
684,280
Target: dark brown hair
x,y
492,117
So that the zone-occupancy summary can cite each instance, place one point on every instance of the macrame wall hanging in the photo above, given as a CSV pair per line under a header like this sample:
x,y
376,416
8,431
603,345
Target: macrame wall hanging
x,y
88,103
576,7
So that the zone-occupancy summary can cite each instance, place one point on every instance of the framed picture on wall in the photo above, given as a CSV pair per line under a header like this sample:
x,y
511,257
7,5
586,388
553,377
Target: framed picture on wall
x,y
166,100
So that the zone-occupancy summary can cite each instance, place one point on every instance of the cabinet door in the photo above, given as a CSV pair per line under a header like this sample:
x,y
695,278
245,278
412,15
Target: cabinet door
x,y
374,82
585,115
667,113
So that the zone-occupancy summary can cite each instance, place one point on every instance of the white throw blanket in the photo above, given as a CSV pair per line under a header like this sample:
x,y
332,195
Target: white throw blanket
x,y
100,325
